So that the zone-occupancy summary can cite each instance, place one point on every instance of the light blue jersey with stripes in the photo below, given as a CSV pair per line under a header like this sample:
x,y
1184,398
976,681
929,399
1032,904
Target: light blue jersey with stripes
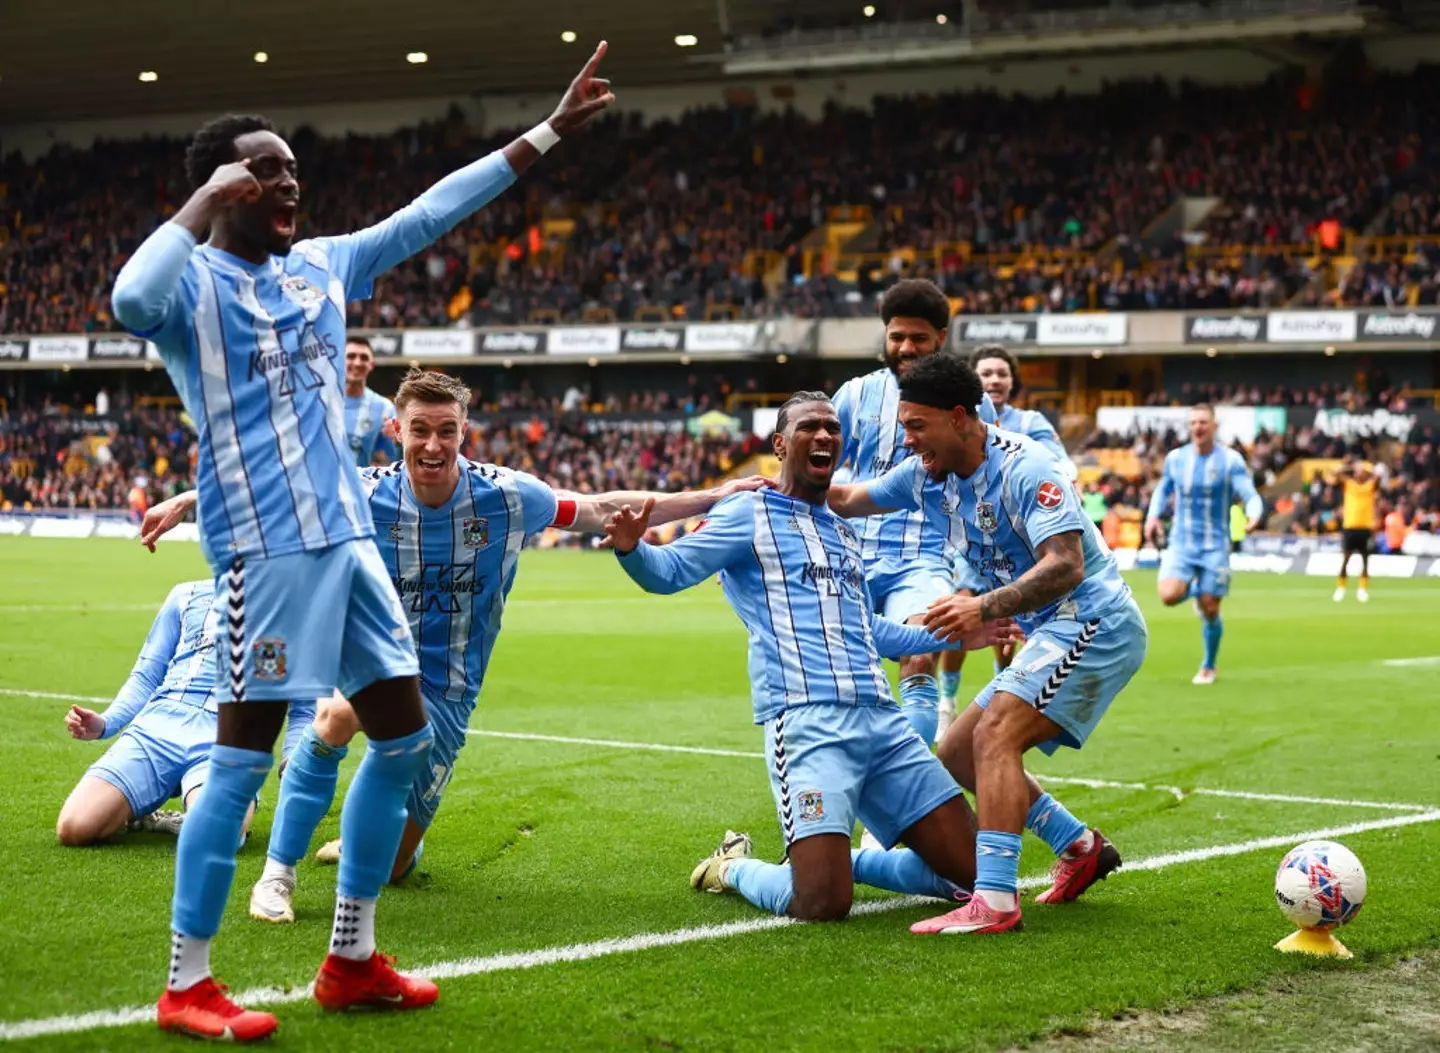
x,y
365,417
177,661
1035,425
1204,487
874,442
256,352
998,517
453,566
794,574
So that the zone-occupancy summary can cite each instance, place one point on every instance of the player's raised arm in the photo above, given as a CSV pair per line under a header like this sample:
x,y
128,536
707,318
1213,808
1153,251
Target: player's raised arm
x,y
593,510
721,540
363,256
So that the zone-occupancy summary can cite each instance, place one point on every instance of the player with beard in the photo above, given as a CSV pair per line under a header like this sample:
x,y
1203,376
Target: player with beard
x,y
249,326
906,563
367,413
837,746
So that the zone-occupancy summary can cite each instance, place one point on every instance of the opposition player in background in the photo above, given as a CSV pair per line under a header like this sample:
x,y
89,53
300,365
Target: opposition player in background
x,y
165,717
1357,523
367,413
249,326
836,745
1204,478
1005,503
999,372
906,567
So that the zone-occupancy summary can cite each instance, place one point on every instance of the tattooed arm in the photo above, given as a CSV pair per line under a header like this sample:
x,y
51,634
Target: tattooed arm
x,y
1060,568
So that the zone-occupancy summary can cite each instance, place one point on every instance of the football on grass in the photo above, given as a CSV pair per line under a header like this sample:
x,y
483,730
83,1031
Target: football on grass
x,y
1320,885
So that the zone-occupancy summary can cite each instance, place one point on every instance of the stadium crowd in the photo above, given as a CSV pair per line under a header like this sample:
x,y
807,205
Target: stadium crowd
x,y
679,216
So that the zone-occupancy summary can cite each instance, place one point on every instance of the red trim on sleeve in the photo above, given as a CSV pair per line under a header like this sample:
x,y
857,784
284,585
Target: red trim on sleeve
x,y
566,512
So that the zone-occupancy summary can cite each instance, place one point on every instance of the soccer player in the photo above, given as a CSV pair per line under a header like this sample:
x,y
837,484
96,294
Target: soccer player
x,y
1204,478
836,744
452,531
906,566
1005,503
166,711
249,326
367,413
1358,523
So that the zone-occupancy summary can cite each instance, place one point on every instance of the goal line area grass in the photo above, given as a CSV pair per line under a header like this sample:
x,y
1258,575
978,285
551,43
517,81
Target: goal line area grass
x,y
555,905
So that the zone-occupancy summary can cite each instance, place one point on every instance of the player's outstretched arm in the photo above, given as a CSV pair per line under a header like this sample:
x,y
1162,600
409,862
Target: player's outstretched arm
x,y
165,517
896,641
593,510
720,541
854,501
148,672
147,285
361,257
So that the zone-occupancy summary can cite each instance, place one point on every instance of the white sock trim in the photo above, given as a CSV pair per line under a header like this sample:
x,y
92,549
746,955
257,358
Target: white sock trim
x,y
189,961
354,933
276,869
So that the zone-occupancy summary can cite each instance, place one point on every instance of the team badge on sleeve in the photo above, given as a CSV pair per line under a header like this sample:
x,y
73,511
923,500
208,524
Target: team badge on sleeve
x,y
269,655
476,533
1049,495
812,805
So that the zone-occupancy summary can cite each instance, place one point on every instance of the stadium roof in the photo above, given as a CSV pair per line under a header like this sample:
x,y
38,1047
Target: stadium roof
x,y
71,59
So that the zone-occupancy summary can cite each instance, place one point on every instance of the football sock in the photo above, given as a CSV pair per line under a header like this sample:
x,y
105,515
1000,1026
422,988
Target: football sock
x,y
949,684
373,816
354,933
205,856
920,702
276,869
1211,629
306,793
767,885
997,868
901,870
1052,823
1365,582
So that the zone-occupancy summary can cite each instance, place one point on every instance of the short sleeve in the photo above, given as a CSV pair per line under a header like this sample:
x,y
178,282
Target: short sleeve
x,y
1047,502
539,502
901,487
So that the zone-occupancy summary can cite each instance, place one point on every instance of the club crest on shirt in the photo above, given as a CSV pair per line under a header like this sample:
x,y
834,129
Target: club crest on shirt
x,y
1049,495
475,532
812,805
269,658
392,532
985,516
303,293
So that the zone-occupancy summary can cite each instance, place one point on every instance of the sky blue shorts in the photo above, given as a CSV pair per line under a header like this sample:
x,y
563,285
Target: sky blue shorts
x,y
1209,568
830,765
900,592
1071,671
312,622
163,753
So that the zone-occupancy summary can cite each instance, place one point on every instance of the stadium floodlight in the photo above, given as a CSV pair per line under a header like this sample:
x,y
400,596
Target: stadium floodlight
x,y
148,76
568,36
686,40
940,19
868,10
416,58
262,57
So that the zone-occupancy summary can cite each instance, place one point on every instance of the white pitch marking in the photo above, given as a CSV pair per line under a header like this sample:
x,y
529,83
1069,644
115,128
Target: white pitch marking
x,y
1174,791
32,608
580,952
1433,659
47,694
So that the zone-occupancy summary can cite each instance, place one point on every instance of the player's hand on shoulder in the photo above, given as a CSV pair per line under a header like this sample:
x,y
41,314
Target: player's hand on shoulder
x,y
586,96
748,484
234,182
84,724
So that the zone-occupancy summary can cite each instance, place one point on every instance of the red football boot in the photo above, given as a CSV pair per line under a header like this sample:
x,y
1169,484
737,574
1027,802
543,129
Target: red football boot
x,y
344,983
203,1011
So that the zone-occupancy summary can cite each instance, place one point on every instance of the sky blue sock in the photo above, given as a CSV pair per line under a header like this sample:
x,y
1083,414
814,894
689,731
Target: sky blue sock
x,y
901,870
997,861
205,856
1052,823
307,789
1211,629
373,816
920,699
949,683
766,885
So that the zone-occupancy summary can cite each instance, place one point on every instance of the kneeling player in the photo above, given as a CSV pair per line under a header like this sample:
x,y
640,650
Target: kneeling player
x,y
838,746
452,530
1002,499
167,713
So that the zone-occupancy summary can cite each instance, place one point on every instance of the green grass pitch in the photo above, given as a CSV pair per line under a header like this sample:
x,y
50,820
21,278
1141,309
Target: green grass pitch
x,y
544,844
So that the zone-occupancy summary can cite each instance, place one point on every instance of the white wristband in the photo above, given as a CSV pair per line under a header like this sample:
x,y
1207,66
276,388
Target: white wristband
x,y
542,137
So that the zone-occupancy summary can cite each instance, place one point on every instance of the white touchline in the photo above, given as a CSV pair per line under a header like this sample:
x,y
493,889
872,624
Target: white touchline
x,y
1433,659
36,608
47,694
579,952
1174,791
